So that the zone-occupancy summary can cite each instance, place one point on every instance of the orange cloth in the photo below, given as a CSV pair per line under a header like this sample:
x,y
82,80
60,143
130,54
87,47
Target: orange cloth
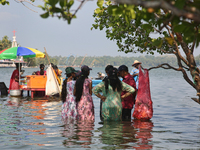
x,y
57,77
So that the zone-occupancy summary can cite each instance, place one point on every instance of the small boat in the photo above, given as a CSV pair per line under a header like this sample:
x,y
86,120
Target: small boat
x,y
98,79
7,64
95,82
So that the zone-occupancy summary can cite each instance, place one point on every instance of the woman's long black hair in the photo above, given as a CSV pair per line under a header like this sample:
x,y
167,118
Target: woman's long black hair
x,y
79,84
113,80
64,88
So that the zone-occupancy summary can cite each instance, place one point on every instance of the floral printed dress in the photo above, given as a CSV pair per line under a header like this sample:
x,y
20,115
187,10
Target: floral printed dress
x,y
112,106
69,106
85,106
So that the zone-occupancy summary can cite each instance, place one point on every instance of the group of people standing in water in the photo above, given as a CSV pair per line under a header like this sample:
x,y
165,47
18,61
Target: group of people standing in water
x,y
116,97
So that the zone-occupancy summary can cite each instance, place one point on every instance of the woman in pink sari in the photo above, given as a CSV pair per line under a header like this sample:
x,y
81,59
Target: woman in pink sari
x,y
83,93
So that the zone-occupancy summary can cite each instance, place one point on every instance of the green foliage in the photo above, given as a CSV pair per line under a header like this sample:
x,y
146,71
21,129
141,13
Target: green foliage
x,y
31,61
102,61
5,43
4,2
58,8
37,61
132,27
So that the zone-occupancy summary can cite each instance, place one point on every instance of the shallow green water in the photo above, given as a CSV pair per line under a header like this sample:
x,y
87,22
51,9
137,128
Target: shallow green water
x,y
36,123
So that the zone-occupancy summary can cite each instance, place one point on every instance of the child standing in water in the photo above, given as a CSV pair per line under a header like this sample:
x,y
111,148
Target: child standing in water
x,y
69,104
83,93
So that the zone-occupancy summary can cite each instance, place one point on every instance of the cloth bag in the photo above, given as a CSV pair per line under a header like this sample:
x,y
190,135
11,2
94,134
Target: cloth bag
x,y
52,86
143,104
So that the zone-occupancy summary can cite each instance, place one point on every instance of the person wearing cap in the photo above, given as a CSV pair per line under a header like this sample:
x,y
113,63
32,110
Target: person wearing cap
x,y
42,71
83,93
101,75
128,102
77,75
135,71
69,104
111,89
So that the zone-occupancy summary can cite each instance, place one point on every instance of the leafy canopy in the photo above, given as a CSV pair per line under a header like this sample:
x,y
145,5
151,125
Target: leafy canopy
x,y
134,27
58,8
4,2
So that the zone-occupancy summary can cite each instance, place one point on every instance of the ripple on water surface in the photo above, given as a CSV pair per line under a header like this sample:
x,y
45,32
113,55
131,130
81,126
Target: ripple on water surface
x,y
37,124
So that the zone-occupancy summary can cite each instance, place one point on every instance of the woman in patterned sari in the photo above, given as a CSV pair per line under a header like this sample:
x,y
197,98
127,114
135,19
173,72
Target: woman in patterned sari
x,y
111,89
83,93
69,104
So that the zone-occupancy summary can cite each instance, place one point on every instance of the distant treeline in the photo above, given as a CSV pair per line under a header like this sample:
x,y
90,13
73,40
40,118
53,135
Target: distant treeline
x,y
102,61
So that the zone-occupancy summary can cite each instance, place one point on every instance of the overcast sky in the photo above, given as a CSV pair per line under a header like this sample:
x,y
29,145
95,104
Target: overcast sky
x,y
56,35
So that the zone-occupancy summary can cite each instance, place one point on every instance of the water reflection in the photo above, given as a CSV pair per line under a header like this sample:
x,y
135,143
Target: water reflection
x,y
143,134
78,133
126,135
14,101
10,120
36,110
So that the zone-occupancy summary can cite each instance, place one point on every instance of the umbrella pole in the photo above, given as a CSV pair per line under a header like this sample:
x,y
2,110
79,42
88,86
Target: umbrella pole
x,y
19,74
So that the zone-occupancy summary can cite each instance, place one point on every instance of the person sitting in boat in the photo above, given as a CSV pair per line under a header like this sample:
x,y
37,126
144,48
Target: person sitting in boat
x,y
58,71
55,68
14,80
100,75
42,71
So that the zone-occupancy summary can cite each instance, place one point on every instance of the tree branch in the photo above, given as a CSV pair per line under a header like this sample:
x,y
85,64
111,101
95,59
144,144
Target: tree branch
x,y
163,66
79,7
161,4
22,1
167,66
178,54
194,42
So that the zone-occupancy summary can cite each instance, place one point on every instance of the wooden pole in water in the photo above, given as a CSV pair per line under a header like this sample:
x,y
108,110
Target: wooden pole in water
x,y
74,61
83,60
47,55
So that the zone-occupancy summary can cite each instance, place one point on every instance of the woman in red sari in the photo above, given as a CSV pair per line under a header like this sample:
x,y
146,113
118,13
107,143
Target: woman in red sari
x,y
14,80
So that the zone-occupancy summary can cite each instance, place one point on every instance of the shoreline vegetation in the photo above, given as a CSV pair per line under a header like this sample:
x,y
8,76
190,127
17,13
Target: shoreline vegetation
x,y
102,61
